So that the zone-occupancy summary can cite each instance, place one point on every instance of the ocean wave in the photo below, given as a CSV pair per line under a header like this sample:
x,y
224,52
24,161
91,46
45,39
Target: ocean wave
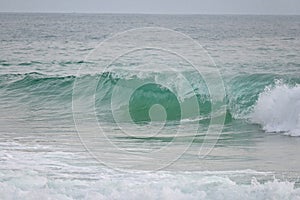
x,y
275,108
278,109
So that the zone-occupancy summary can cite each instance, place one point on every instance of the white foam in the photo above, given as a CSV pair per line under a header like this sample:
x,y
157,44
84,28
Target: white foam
x,y
146,186
278,109
29,174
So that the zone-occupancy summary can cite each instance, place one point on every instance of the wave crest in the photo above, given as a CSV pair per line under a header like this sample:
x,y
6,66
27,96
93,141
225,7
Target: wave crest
x,y
278,109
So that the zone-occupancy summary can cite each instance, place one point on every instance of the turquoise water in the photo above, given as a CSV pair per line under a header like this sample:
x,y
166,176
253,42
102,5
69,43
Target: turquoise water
x,y
78,123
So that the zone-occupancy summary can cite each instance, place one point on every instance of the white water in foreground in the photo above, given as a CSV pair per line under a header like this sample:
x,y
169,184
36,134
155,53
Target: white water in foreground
x,y
41,173
161,185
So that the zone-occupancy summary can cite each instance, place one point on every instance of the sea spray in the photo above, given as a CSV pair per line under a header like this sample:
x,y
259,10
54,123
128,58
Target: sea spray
x,y
278,109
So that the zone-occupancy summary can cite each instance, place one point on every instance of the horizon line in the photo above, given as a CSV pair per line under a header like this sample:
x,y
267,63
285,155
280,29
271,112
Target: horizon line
x,y
144,13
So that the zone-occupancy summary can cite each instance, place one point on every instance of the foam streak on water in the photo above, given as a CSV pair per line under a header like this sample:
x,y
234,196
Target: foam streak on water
x,y
48,174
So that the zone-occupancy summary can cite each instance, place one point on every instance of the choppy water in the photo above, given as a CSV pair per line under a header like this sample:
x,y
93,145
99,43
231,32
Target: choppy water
x,y
68,122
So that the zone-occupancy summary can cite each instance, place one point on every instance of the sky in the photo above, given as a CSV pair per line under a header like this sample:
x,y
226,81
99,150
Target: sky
x,y
281,7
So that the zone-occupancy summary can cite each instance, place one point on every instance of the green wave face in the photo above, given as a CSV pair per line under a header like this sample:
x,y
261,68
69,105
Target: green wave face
x,y
148,102
153,102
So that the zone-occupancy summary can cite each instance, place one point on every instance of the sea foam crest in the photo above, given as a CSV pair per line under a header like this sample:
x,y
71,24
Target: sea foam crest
x,y
164,187
278,109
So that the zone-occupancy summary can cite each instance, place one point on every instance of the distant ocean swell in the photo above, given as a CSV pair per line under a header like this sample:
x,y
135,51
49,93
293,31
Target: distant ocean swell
x,y
271,100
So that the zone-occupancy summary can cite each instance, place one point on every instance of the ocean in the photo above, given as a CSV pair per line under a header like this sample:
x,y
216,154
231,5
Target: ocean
x,y
132,106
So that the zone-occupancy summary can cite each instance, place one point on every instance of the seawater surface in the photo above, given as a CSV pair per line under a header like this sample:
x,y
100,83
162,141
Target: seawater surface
x,y
42,155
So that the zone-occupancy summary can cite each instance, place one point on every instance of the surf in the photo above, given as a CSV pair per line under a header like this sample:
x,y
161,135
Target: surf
x,y
257,98
278,109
